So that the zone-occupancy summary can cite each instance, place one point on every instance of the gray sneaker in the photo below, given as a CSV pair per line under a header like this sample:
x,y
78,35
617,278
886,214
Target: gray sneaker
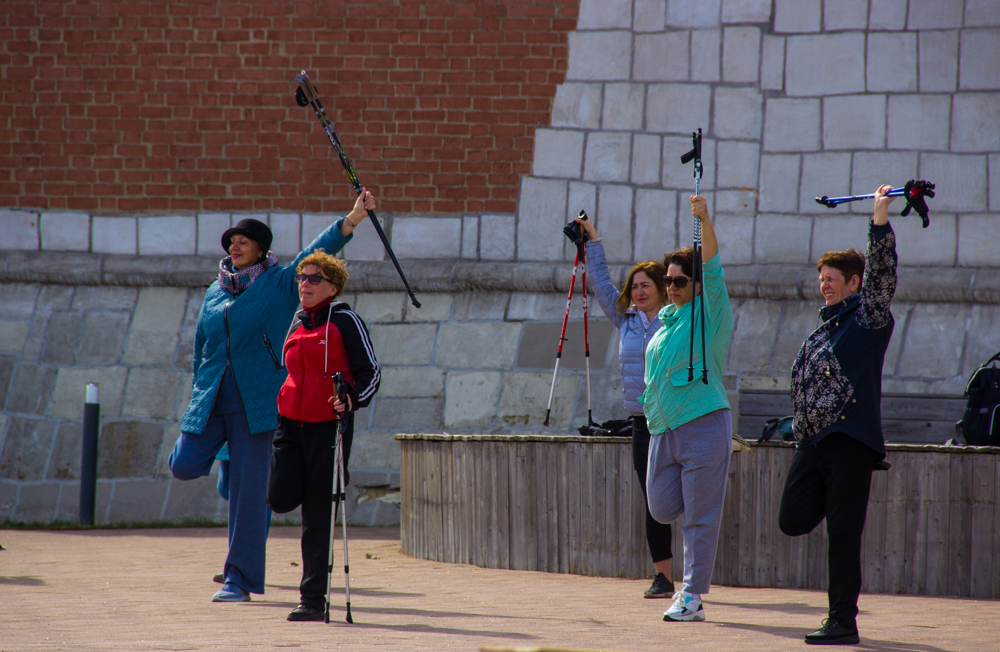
x,y
661,588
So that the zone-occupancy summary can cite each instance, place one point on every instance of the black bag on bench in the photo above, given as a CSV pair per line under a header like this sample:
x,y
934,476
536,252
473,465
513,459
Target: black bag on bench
x,y
980,424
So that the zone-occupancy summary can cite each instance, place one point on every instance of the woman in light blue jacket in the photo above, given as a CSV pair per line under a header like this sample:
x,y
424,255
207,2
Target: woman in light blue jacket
x,y
634,311
237,374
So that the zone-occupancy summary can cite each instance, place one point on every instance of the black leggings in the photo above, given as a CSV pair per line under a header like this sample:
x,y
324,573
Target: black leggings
x,y
658,535
832,480
302,474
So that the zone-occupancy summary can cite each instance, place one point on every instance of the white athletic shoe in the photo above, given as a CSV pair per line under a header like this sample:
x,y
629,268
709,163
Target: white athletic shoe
x,y
686,607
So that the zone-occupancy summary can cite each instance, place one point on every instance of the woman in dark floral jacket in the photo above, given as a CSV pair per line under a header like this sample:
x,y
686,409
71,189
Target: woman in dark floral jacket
x,y
836,388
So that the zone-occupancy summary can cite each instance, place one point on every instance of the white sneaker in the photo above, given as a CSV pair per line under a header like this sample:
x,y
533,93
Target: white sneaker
x,y
686,607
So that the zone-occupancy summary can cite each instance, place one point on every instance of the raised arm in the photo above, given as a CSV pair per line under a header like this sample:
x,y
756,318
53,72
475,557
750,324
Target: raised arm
x,y
709,243
879,283
600,277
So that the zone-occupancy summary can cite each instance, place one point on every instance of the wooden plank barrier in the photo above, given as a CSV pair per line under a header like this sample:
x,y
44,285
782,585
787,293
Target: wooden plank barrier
x,y
573,505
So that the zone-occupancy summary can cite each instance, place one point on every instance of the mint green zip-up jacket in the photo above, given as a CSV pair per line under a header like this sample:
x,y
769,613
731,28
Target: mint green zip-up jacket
x,y
670,399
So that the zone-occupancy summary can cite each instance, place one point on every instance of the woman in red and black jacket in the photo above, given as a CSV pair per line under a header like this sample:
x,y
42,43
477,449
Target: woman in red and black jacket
x,y
326,337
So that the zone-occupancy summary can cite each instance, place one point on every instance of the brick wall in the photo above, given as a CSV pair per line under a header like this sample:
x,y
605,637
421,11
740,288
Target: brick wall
x,y
187,105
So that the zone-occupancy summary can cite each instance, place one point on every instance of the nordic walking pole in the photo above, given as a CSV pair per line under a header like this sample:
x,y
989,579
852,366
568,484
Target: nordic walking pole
x,y
336,496
306,95
562,338
586,334
696,269
914,191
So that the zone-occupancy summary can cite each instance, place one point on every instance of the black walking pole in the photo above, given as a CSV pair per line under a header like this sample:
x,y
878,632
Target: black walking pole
x,y
306,95
88,458
696,271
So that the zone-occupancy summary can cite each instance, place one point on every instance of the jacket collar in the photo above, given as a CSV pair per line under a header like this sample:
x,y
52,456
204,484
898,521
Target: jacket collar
x,y
838,309
312,320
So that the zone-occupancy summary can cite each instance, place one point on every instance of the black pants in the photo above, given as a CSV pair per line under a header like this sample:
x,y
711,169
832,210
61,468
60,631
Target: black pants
x,y
302,474
657,534
832,479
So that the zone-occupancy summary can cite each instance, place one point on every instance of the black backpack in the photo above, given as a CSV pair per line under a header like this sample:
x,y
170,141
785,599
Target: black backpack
x,y
980,424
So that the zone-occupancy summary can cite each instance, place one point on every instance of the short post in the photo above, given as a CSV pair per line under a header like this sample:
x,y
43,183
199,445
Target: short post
x,y
88,461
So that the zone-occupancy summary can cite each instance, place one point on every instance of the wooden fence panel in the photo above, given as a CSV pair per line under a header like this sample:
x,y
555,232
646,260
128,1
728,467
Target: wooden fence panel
x,y
572,504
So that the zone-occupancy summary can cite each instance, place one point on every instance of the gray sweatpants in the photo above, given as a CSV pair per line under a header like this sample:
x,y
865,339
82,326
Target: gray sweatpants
x,y
688,470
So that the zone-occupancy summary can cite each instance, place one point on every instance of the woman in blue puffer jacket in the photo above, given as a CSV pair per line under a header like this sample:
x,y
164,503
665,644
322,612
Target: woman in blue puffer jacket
x,y
237,375
635,312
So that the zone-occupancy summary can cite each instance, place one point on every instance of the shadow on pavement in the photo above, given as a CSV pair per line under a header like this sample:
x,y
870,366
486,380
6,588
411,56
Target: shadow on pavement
x,y
866,643
23,580
784,607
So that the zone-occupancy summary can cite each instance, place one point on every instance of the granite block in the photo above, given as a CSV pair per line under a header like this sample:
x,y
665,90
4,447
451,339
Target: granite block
x,y
470,237
917,122
982,13
65,231
577,105
102,337
411,382
558,153
931,348
104,298
994,182
604,14
845,14
680,176
137,501
379,307
428,237
655,223
538,346
26,448
746,11
623,107
740,54
600,56
409,414
20,228
854,122
782,239
737,163
938,61
706,51
960,180
825,64
791,125
192,499
737,113
18,300
541,209
974,250
677,108
892,62
168,234
837,232
872,169
496,237
55,297
154,330
114,235
742,201
608,155
524,398
798,320
779,183
403,344
7,363
983,339
660,57
313,225
471,399
693,13
287,231
477,346
31,388
735,233
365,243
8,498
151,393
211,226
646,150
433,307
129,449
754,335
649,15
823,174
975,121
480,306
772,63
934,14
614,221
935,245
13,335
67,450
36,503
794,16
886,15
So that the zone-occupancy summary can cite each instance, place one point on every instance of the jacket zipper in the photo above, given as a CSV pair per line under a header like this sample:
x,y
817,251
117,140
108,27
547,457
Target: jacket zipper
x,y
229,363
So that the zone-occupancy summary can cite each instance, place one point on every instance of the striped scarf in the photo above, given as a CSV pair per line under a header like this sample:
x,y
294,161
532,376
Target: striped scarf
x,y
235,282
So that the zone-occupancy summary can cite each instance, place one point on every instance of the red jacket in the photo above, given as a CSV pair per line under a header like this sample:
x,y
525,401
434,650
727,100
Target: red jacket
x,y
332,339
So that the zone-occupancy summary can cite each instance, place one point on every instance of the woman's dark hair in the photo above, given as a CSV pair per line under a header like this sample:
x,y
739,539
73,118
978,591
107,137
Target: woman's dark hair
x,y
683,257
654,270
849,263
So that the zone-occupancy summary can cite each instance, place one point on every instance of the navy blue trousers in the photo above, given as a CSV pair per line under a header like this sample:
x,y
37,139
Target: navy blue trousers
x,y
249,466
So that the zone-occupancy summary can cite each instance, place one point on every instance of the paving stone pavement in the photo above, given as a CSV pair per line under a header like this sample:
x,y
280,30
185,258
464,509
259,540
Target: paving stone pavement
x,y
151,590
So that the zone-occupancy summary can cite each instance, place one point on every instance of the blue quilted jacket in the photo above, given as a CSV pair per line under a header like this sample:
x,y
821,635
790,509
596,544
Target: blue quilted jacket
x,y
231,330
632,334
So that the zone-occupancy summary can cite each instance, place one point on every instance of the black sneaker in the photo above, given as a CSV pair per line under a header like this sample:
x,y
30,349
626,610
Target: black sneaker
x,y
661,588
833,633
305,612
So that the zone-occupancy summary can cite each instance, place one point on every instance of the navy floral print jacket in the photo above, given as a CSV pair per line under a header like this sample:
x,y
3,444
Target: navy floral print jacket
x,y
837,375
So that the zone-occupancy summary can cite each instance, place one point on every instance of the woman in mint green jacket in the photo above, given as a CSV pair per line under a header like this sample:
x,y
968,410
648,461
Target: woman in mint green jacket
x,y
689,421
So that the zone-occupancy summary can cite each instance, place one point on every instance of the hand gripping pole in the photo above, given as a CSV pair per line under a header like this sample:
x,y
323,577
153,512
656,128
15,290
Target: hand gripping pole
x,y
306,95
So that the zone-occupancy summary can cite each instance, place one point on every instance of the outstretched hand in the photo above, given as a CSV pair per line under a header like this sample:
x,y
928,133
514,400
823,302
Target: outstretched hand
x,y
882,204
364,203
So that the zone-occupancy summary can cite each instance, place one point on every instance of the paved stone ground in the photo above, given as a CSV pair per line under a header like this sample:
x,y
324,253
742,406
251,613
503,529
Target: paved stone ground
x,y
151,590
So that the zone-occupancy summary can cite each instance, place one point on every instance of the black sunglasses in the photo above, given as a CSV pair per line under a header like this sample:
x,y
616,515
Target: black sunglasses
x,y
313,279
679,281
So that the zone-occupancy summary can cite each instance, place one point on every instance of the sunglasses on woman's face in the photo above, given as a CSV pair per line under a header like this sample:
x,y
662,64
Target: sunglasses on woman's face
x,y
679,281
313,279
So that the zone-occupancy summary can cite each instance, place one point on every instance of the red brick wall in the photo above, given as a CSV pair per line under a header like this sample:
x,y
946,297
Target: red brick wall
x,y
187,105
